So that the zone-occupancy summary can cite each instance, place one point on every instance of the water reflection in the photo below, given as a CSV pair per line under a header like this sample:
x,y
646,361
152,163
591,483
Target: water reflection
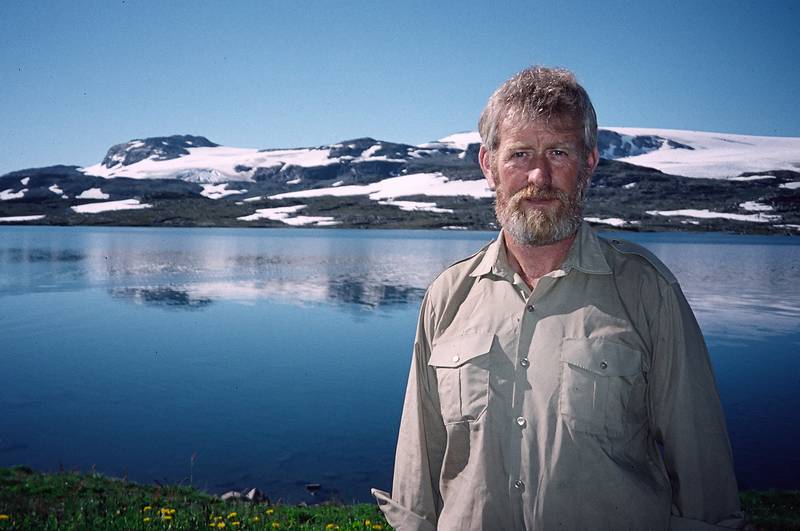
x,y
194,269
17,255
753,282
347,292
161,297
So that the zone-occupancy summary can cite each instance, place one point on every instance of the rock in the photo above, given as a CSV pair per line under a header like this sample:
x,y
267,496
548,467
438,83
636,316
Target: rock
x,y
254,495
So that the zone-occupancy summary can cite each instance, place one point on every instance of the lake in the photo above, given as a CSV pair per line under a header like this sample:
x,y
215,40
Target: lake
x,y
274,358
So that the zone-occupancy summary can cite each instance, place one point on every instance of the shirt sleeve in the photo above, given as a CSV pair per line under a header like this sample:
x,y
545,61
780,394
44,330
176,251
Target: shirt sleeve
x,y
688,422
416,502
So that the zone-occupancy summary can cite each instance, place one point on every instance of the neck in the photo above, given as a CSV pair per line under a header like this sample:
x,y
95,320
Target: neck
x,y
532,262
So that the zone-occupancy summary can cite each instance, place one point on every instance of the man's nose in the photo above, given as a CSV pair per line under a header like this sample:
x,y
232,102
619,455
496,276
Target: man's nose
x,y
539,174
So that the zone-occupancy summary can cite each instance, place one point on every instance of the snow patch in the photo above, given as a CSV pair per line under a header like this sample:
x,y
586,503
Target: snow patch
x,y
218,191
432,184
790,186
754,206
283,214
460,140
707,214
295,181
58,191
14,219
752,178
367,153
92,193
125,204
413,206
629,186
715,155
25,181
6,195
614,222
218,163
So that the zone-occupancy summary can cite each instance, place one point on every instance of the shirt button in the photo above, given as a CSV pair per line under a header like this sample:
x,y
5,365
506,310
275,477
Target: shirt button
x,y
529,307
455,359
603,365
524,362
519,484
521,422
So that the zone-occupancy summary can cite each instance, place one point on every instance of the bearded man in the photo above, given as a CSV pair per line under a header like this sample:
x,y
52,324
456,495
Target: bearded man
x,y
558,380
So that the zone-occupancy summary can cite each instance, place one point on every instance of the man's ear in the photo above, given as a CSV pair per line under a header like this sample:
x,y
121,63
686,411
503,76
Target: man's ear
x,y
592,160
485,160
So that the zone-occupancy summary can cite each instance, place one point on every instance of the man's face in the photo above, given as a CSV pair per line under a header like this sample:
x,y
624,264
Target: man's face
x,y
539,172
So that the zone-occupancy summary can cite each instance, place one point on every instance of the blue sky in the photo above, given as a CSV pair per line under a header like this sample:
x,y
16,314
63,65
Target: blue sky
x,y
79,76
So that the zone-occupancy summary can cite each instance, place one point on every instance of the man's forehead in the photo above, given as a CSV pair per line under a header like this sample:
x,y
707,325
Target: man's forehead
x,y
557,126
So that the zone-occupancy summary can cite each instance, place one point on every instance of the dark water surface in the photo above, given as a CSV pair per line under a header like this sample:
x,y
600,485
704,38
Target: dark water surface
x,y
278,357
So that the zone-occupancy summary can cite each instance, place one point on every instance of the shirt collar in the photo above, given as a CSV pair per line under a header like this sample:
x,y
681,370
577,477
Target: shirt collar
x,y
585,255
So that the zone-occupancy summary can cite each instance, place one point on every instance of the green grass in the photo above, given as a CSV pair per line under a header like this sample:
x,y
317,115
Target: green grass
x,y
70,500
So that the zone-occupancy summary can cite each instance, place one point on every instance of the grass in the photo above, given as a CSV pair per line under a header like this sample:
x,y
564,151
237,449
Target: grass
x,y
70,500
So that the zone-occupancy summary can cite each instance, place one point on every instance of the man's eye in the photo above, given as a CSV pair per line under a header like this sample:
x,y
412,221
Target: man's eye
x,y
558,153
518,154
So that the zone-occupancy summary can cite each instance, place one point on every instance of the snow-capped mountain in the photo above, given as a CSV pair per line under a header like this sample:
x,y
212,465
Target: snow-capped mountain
x,y
196,159
685,153
648,179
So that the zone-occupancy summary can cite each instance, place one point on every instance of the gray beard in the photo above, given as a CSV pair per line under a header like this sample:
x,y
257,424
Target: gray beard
x,y
526,231
540,226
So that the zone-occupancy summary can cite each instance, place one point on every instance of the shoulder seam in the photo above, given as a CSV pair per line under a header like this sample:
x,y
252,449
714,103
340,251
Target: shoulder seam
x,y
627,247
470,257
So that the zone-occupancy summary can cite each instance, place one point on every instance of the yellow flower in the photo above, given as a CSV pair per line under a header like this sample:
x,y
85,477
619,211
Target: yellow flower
x,y
232,515
330,526
270,511
217,518
166,517
146,508
4,517
220,525
255,519
276,525
147,519
367,523
377,526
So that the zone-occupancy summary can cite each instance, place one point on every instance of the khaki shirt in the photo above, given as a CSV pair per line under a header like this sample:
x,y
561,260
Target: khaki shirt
x,y
587,403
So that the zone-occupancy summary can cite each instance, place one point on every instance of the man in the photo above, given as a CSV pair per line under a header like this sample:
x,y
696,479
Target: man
x,y
559,380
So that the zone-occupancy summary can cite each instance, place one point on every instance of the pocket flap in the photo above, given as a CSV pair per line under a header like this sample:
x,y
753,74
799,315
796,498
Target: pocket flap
x,y
456,351
602,356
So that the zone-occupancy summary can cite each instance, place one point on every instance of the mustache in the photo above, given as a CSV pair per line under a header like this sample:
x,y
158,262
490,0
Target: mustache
x,y
538,193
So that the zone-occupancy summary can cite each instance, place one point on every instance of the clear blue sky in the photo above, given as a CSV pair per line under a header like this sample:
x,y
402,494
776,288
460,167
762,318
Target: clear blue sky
x,y
78,76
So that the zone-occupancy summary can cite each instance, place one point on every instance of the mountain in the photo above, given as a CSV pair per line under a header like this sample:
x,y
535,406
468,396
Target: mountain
x,y
648,179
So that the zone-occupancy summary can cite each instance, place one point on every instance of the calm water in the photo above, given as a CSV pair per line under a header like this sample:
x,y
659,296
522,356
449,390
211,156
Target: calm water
x,y
278,358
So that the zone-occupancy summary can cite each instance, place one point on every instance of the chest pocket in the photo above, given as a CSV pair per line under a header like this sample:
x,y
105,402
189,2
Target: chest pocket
x,y
462,368
602,386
